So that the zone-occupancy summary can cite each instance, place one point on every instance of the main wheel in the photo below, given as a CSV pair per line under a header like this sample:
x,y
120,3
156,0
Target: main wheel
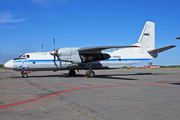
x,y
24,75
72,73
90,74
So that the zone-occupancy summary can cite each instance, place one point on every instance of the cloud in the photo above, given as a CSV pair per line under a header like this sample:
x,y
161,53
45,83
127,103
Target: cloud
x,y
48,2
7,17
63,1
9,27
40,1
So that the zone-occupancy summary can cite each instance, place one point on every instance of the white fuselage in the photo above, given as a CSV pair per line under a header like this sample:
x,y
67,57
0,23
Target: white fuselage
x,y
42,61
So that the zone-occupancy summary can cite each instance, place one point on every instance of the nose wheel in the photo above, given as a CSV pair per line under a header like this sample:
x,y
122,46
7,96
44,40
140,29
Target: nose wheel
x,y
24,75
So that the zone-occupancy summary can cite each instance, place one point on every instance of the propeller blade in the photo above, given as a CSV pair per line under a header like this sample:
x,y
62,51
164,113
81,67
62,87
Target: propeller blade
x,y
55,54
60,64
59,60
55,61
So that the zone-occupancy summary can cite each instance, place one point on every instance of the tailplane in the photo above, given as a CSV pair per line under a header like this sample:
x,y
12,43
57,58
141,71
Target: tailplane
x,y
146,41
161,49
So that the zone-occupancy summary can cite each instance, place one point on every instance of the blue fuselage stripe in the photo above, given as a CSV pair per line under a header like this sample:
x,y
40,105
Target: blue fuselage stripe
x,y
126,59
17,61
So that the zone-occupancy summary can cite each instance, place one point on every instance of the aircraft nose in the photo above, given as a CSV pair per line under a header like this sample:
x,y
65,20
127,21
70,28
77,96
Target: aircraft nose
x,y
9,64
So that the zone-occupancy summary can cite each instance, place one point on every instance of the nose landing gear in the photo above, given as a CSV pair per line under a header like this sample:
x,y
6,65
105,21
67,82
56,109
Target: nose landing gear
x,y
24,74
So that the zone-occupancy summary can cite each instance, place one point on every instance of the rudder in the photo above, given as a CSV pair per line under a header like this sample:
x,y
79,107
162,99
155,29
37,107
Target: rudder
x,y
147,39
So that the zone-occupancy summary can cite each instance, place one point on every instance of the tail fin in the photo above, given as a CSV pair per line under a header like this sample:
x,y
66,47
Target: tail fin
x,y
147,38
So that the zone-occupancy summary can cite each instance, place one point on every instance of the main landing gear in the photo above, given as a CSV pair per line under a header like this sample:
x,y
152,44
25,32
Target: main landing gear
x,y
72,73
90,74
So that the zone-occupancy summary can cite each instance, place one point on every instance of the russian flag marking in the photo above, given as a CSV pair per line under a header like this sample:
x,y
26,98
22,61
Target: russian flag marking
x,y
146,34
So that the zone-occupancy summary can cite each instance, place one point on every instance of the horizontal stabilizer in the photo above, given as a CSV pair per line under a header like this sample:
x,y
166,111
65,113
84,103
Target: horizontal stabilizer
x,y
100,48
161,49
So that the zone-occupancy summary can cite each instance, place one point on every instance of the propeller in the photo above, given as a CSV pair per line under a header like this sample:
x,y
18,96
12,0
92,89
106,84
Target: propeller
x,y
55,54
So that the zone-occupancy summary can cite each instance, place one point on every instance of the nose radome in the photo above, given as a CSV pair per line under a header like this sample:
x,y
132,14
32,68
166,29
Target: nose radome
x,y
9,64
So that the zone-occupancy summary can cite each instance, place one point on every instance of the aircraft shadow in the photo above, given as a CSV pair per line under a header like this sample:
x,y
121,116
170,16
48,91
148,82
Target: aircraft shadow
x,y
106,76
117,76
175,83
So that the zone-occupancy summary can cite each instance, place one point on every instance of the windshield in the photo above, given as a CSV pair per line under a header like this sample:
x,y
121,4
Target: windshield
x,y
22,56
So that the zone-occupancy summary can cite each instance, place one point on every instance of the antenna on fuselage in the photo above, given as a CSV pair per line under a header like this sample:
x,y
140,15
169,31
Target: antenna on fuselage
x,y
42,47
54,43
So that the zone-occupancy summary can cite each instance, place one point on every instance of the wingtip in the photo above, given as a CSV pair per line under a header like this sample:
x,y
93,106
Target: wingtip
x,y
172,45
178,38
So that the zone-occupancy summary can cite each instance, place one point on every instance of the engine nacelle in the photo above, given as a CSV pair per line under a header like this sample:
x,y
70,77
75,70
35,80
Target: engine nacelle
x,y
72,55
69,55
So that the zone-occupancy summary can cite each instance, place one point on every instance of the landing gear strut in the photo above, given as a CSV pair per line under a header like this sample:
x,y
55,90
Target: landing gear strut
x,y
24,75
90,73
72,73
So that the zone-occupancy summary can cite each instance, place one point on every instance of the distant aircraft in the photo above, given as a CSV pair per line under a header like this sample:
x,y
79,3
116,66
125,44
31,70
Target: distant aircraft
x,y
89,58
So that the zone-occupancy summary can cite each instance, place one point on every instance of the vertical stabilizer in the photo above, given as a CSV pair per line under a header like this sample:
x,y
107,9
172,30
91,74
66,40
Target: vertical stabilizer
x,y
147,38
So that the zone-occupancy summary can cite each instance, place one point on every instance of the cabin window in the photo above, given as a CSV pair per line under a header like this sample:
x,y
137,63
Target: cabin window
x,y
27,56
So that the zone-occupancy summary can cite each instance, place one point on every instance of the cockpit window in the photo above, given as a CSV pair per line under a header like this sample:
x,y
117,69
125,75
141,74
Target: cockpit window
x,y
23,56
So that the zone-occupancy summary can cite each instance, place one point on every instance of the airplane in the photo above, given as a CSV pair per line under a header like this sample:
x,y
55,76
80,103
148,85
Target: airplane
x,y
89,58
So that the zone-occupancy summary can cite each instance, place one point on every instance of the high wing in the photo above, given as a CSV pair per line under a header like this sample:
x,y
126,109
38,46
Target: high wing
x,y
161,49
89,54
100,48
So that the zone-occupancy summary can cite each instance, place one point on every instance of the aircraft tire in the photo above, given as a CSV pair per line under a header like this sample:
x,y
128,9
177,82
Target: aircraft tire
x,y
24,75
90,74
72,73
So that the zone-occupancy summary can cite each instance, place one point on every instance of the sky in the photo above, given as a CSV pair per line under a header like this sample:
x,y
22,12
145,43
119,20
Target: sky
x,y
26,24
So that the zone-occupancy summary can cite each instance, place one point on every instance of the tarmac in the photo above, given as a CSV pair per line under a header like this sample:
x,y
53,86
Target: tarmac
x,y
121,94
